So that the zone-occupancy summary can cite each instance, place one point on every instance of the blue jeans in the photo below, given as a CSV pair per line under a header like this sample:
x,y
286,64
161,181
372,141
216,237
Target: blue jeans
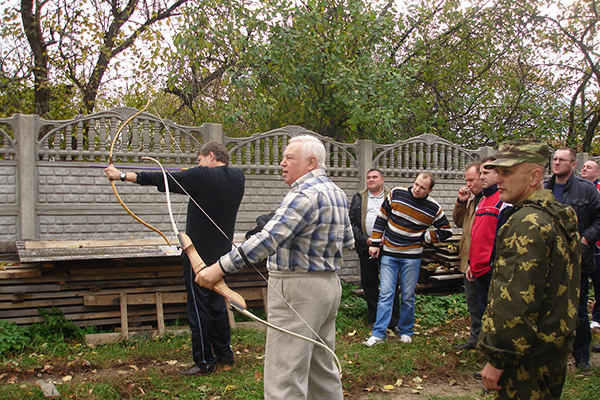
x,y
408,269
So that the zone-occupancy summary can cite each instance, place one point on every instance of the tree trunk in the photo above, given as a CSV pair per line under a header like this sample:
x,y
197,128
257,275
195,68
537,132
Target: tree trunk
x,y
39,48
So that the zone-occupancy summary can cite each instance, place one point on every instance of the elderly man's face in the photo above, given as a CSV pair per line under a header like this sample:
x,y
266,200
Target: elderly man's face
x,y
294,165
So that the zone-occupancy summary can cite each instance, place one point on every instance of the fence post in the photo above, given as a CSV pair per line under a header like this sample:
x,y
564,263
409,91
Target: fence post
x,y
213,132
365,161
25,136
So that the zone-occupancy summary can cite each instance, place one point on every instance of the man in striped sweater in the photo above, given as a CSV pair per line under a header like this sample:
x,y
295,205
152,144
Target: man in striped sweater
x,y
401,228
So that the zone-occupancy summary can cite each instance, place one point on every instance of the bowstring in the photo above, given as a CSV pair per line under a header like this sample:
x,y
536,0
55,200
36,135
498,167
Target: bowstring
x,y
174,141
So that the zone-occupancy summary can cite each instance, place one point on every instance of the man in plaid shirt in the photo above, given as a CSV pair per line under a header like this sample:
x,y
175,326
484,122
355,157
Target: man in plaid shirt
x,y
303,242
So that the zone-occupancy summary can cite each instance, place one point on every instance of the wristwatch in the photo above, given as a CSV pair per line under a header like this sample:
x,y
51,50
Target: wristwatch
x,y
123,176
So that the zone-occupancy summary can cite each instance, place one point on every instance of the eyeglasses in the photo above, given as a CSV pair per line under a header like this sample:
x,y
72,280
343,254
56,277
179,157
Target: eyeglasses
x,y
562,160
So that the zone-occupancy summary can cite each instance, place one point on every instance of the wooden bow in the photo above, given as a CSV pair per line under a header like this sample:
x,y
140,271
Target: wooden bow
x,y
114,186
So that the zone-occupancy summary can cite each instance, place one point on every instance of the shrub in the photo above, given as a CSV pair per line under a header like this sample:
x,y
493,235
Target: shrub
x,y
12,337
54,327
437,310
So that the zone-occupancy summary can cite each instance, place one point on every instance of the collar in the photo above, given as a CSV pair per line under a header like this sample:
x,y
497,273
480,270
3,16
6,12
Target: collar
x,y
307,176
487,192
380,195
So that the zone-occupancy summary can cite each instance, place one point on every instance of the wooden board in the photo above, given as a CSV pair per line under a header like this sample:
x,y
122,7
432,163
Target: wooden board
x,y
56,251
75,244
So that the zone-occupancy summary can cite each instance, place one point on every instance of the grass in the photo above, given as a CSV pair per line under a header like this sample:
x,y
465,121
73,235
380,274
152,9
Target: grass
x,y
147,367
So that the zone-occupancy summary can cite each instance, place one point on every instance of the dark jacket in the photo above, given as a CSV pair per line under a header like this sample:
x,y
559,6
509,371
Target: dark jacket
x,y
583,196
358,213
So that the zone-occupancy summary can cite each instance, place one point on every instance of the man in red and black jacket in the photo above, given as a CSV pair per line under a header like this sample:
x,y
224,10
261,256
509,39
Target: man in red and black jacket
x,y
483,234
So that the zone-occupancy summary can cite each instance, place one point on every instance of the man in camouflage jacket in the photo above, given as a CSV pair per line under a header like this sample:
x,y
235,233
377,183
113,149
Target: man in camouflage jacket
x,y
529,325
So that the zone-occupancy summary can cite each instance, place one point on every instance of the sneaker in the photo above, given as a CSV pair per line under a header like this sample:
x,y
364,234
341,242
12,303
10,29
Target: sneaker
x,y
595,325
373,341
405,339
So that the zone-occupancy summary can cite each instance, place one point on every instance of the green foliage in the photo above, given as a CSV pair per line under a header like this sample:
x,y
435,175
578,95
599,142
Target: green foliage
x,y
352,308
12,337
54,327
438,310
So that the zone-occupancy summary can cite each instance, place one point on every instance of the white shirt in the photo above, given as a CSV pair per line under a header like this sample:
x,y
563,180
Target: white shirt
x,y
373,206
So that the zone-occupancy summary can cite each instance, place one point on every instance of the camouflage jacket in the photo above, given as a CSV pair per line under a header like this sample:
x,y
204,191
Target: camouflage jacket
x,y
533,297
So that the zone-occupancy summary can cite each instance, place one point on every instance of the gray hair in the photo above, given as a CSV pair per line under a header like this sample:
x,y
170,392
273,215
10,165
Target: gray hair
x,y
311,146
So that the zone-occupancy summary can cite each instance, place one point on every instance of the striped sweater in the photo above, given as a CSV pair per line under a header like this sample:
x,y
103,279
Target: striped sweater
x,y
403,224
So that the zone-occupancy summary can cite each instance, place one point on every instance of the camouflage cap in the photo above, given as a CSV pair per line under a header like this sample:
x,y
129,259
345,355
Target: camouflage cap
x,y
519,151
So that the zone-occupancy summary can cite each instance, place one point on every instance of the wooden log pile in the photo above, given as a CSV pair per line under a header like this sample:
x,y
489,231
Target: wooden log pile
x,y
85,279
440,268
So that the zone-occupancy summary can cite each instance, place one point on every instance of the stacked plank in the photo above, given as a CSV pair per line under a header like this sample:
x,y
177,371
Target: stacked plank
x,y
440,267
84,280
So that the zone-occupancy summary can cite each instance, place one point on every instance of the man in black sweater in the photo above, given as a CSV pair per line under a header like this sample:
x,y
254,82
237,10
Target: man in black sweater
x,y
218,189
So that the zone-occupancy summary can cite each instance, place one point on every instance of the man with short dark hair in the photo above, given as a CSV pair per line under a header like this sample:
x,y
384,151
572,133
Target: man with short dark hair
x,y
400,230
218,189
364,208
483,233
583,196
529,325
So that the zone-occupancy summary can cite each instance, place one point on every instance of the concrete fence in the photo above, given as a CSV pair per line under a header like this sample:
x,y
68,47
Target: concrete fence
x,y
52,184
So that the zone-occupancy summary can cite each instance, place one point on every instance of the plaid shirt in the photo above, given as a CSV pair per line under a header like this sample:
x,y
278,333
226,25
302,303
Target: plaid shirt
x,y
307,233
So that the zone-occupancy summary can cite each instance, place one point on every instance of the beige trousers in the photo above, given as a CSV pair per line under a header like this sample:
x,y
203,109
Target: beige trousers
x,y
294,368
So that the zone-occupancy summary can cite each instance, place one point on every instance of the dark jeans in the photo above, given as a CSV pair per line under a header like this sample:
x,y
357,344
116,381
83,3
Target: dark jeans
x,y
369,280
473,306
596,283
208,320
483,287
583,338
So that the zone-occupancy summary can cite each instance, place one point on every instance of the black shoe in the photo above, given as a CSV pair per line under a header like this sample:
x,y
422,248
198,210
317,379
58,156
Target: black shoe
x,y
477,375
226,361
583,366
203,369
596,348
465,346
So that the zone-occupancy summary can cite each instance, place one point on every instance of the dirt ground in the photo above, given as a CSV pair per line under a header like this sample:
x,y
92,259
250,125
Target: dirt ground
x,y
468,387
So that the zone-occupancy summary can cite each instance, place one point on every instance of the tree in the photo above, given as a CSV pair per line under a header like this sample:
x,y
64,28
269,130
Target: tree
x,y
78,40
572,35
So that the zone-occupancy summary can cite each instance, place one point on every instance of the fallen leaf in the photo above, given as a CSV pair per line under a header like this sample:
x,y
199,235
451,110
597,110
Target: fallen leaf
x,y
452,382
172,362
399,383
389,387
419,387
134,367
369,389
415,391
67,378
416,379
352,333
257,376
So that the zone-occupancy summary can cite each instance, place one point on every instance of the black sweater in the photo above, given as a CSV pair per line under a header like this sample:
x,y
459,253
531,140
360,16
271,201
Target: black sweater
x,y
219,191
